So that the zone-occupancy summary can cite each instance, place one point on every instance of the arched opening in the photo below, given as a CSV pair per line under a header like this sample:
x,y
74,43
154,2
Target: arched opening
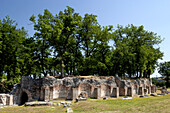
x,y
85,87
24,98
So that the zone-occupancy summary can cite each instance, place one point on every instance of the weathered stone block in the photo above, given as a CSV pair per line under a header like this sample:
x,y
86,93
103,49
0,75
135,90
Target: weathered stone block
x,y
130,91
42,93
6,99
75,93
11,100
153,89
97,93
149,89
115,92
123,91
47,95
145,91
105,90
3,99
141,91
51,93
136,89
69,93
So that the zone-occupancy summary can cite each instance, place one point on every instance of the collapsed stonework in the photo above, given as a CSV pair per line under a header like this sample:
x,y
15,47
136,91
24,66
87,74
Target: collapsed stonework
x,y
6,99
71,88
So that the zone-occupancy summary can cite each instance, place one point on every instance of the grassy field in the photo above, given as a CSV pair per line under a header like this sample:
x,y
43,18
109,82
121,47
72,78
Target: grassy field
x,y
136,105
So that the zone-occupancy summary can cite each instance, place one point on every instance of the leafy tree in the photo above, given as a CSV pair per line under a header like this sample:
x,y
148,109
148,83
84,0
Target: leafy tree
x,y
88,33
158,83
58,32
134,47
69,21
43,26
11,44
164,70
102,54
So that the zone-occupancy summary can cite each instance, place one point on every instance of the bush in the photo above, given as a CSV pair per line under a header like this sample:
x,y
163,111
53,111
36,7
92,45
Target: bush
x,y
158,82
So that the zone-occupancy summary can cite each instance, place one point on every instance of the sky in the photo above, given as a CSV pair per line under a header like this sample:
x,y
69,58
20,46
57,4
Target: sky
x,y
154,15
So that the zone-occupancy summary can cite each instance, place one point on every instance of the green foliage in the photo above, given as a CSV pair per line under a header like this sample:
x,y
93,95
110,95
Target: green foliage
x,y
134,51
158,83
69,44
164,70
11,45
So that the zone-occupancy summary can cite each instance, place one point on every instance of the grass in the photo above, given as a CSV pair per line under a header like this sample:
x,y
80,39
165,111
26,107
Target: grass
x,y
137,105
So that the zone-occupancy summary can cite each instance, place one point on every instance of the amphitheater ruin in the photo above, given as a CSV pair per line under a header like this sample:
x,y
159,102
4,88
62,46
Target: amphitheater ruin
x,y
71,88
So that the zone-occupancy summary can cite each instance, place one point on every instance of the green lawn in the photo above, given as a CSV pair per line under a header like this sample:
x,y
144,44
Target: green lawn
x,y
136,105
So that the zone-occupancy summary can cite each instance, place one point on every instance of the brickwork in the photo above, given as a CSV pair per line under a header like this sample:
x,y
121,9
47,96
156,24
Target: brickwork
x,y
70,88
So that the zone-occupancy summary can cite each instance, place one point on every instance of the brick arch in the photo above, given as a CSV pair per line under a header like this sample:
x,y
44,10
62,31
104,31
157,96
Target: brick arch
x,y
85,87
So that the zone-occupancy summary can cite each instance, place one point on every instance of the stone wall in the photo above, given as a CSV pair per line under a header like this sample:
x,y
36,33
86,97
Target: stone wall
x,y
50,88
6,99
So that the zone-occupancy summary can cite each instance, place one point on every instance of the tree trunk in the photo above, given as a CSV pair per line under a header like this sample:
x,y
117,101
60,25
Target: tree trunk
x,y
74,68
167,81
62,68
71,68
140,74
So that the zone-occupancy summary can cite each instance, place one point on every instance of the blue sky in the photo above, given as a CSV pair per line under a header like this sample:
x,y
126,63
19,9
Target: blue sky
x,y
153,14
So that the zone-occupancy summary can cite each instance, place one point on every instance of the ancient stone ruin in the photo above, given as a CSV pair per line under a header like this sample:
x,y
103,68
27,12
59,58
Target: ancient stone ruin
x,y
6,99
71,88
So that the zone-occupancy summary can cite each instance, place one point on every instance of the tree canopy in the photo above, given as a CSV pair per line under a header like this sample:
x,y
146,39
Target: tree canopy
x,y
69,44
164,70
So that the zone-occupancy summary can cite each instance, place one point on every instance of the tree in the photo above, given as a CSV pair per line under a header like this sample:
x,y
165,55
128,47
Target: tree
x,y
88,33
134,47
58,32
63,41
43,26
164,70
11,45
102,53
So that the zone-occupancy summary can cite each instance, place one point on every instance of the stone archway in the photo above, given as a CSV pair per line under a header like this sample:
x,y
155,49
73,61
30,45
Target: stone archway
x,y
24,98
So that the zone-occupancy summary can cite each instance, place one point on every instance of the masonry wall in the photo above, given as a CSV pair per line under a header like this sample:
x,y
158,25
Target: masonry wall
x,y
50,88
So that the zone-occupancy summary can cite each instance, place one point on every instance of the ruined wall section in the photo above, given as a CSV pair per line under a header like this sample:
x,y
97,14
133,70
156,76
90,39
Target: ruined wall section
x,y
135,87
50,88
63,88
29,87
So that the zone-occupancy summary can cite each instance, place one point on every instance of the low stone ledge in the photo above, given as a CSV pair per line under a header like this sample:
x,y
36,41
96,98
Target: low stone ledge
x,y
38,103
